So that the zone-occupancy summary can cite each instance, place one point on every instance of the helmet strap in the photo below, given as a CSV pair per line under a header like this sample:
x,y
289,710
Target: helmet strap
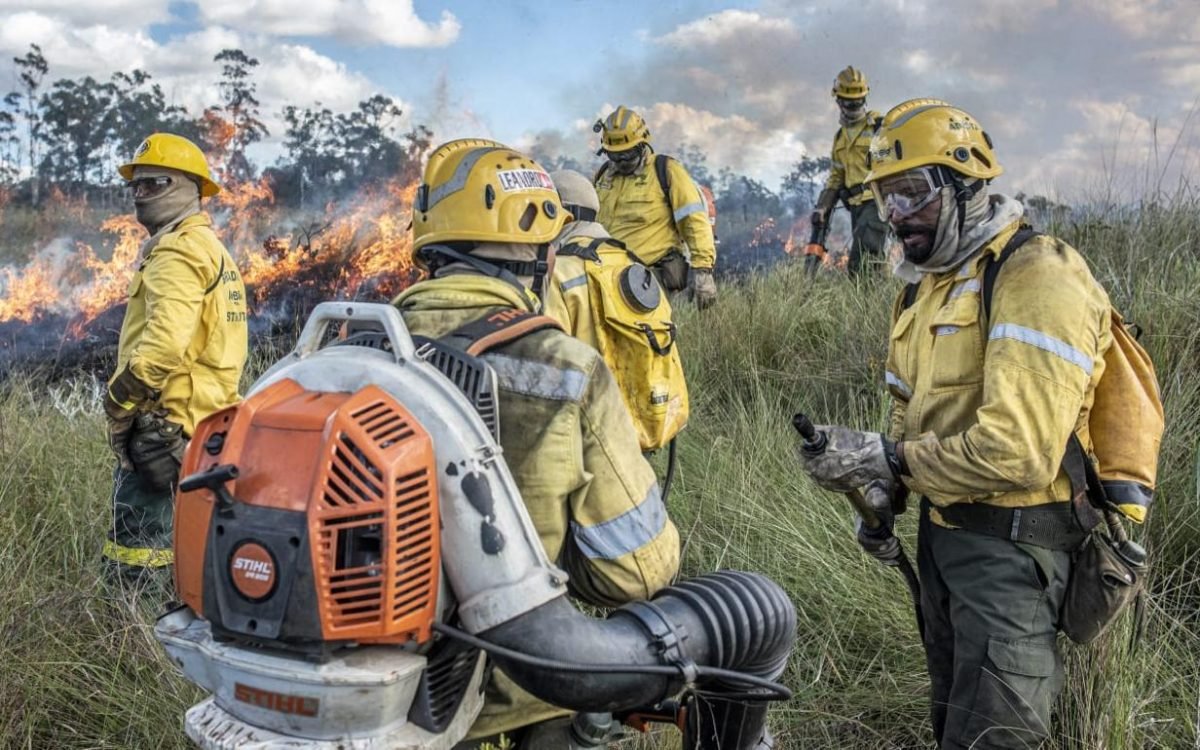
x,y
581,213
963,193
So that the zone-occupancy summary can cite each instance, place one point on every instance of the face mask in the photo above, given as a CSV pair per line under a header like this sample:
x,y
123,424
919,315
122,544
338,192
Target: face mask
x,y
162,197
625,162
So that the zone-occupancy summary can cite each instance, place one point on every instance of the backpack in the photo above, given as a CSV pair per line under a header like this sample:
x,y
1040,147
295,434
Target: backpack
x,y
636,337
1126,422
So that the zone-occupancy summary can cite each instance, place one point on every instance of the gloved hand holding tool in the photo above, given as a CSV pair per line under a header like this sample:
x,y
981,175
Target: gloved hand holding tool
x,y
814,251
848,461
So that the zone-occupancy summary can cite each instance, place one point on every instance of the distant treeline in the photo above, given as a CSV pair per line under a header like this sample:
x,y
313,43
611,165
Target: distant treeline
x,y
68,135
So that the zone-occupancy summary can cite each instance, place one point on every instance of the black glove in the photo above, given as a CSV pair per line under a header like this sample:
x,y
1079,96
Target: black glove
x,y
817,218
156,450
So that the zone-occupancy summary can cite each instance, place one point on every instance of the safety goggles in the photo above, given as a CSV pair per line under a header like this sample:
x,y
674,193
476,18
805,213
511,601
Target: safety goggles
x,y
851,104
624,158
905,194
148,187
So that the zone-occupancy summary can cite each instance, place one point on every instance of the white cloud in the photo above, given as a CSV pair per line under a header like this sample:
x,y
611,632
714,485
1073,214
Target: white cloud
x,y
390,22
726,26
123,14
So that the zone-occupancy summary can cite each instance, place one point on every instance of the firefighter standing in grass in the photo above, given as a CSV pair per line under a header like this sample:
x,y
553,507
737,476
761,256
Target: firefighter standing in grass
x,y
848,170
985,405
649,202
483,225
181,351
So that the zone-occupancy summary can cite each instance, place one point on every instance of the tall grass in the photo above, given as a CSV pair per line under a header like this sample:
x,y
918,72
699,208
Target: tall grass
x,y
79,669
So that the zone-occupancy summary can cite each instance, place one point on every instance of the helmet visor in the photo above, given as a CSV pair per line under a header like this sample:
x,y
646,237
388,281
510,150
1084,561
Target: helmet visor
x,y
900,196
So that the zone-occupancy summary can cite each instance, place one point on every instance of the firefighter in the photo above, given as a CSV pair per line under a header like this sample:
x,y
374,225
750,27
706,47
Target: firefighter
x,y
566,434
181,350
569,301
986,397
848,170
649,202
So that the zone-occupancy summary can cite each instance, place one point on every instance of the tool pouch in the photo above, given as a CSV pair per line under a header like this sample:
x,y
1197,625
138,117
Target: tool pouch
x,y
156,450
1102,585
672,271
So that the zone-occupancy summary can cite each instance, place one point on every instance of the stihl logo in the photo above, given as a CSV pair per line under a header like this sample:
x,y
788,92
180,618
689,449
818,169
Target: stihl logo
x,y
252,570
295,705
255,570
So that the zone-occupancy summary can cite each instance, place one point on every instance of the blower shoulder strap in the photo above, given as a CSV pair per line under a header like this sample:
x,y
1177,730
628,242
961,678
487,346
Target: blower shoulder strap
x,y
661,161
496,329
990,272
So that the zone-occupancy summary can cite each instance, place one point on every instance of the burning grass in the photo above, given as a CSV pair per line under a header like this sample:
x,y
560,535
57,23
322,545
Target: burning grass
x,y
60,312
78,668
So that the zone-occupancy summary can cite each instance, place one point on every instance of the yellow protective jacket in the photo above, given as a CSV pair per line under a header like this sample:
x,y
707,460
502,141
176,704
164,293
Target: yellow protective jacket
x,y
849,159
184,332
986,407
634,209
571,447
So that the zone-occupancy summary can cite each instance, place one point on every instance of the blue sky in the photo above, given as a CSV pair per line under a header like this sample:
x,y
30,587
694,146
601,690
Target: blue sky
x,y
1080,95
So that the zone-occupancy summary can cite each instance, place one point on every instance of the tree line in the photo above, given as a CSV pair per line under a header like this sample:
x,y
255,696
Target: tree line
x,y
69,134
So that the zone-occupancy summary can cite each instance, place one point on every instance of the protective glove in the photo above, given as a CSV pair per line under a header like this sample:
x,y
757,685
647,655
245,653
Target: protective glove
x,y
125,397
851,460
704,287
156,450
880,543
817,218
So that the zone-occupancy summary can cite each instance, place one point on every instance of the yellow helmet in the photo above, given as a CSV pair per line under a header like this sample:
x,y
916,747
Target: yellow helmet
x,y
850,84
174,152
477,190
926,132
622,130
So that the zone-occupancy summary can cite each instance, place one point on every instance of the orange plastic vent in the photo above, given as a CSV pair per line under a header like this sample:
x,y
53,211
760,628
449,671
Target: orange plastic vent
x,y
373,524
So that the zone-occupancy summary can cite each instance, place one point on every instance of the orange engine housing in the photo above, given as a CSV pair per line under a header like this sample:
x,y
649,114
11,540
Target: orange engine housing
x,y
328,528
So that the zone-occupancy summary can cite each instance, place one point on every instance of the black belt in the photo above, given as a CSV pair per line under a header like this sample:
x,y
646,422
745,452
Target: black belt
x,y
1052,525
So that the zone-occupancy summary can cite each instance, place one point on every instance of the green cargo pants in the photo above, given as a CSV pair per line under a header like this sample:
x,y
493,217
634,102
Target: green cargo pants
x,y
869,232
991,613
140,536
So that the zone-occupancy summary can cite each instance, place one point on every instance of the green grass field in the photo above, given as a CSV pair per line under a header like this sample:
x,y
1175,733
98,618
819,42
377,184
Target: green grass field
x,y
80,669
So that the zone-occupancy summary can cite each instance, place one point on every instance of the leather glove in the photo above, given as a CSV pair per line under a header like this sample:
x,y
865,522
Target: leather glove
x,y
704,287
119,431
851,460
880,543
817,218
156,450
125,396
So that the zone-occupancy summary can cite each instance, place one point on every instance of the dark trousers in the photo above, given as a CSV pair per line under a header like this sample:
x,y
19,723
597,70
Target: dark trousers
x,y
868,232
140,536
991,613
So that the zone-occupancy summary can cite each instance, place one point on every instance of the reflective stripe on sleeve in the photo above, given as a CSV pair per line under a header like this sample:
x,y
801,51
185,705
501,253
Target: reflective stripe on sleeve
x,y
141,557
537,378
1044,342
894,380
628,532
689,209
572,283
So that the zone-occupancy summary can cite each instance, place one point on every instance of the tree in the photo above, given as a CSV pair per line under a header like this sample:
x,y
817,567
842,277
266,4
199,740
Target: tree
x,y
33,67
140,108
803,183
9,165
76,127
366,140
240,113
